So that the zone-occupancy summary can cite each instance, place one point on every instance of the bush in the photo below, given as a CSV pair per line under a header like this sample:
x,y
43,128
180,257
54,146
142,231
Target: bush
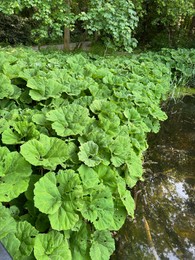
x,y
14,30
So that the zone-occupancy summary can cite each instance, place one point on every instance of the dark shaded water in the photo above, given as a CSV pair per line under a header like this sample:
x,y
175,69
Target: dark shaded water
x,y
164,224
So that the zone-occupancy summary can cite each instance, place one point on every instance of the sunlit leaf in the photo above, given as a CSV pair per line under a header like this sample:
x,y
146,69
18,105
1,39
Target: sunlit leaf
x,y
89,154
52,245
69,120
47,151
15,174
7,222
60,196
102,245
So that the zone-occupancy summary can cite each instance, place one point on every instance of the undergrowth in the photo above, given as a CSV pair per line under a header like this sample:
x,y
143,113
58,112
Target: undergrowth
x,y
73,131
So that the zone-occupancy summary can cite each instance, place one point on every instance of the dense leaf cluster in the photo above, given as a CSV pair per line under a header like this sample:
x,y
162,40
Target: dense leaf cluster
x,y
73,131
119,24
114,21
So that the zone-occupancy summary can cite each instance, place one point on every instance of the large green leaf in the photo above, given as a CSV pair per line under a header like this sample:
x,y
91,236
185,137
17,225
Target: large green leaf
x,y
3,124
89,177
6,88
79,242
60,197
120,214
52,245
7,222
89,154
120,150
43,88
26,235
103,106
12,245
108,176
15,174
126,197
47,196
13,70
134,169
69,120
110,123
99,207
97,135
19,133
47,151
102,245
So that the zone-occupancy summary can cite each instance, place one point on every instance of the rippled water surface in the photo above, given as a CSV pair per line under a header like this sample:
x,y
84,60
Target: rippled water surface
x,y
164,224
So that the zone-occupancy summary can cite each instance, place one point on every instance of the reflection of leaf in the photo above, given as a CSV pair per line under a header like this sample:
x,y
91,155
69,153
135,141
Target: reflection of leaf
x,y
47,152
60,197
14,174
52,245
89,154
102,245
69,120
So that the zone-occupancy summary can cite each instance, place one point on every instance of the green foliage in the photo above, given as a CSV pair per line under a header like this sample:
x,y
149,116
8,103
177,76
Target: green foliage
x,y
52,245
14,29
171,13
114,21
14,174
47,151
72,135
117,24
46,17
102,245
166,23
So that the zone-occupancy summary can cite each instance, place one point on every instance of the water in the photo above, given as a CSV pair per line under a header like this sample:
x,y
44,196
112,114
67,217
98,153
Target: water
x,y
164,224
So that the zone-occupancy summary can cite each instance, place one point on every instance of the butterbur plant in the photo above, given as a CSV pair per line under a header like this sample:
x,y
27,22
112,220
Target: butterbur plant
x,y
72,135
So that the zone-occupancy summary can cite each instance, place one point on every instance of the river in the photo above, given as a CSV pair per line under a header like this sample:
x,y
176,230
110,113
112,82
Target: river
x,y
164,224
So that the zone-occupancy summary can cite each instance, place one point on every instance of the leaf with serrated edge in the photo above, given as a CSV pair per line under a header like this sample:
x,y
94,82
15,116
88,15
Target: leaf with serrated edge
x,y
7,222
26,235
89,154
14,174
69,120
99,208
102,245
60,197
126,197
52,245
47,152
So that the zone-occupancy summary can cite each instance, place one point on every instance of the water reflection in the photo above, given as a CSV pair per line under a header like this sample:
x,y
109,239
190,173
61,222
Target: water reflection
x,y
164,226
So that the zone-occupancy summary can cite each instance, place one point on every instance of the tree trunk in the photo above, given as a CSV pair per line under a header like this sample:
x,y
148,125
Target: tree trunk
x,y
66,38
67,32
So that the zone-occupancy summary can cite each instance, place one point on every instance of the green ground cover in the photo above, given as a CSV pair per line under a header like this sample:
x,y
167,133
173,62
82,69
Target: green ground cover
x,y
73,130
